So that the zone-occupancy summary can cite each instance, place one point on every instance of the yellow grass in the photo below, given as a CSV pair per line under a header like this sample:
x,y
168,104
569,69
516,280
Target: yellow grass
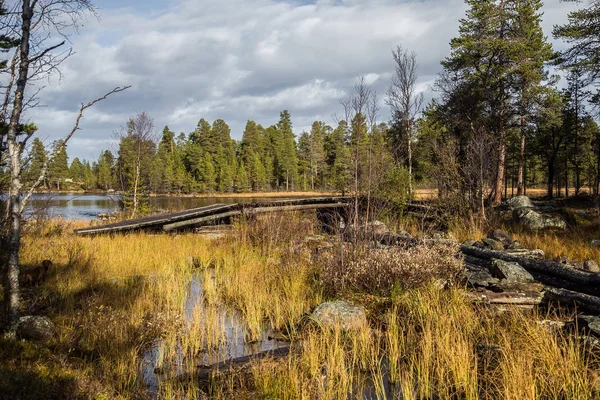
x,y
112,297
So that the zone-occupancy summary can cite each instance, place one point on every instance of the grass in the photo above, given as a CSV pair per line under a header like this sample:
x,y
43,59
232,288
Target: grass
x,y
112,297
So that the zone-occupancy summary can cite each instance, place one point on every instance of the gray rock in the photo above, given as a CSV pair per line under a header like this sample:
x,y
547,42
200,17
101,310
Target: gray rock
x,y
515,245
340,313
500,236
591,266
469,242
511,272
533,220
519,202
493,244
35,327
594,244
479,277
589,323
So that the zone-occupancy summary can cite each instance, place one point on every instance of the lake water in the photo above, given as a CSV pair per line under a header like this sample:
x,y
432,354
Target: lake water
x,y
81,206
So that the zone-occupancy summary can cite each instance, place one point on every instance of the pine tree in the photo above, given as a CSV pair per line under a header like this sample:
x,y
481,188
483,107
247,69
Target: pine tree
x,y
288,161
105,178
58,169
38,158
530,51
76,170
581,33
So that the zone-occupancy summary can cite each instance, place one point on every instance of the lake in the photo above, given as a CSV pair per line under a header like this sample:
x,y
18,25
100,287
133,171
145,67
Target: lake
x,y
82,206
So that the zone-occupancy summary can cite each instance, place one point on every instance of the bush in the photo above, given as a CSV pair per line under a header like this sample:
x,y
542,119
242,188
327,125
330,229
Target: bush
x,y
379,271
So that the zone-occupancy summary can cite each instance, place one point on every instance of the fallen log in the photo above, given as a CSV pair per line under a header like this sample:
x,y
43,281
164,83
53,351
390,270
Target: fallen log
x,y
581,300
206,372
542,266
478,267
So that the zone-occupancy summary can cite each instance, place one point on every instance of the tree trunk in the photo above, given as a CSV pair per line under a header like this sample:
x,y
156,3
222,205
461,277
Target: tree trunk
x,y
521,178
566,178
135,188
408,127
12,297
551,167
500,172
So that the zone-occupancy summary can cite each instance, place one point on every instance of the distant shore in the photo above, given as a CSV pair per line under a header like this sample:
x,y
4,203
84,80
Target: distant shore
x,y
202,195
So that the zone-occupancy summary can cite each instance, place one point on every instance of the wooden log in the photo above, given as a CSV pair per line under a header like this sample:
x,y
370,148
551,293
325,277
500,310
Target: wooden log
x,y
199,220
542,266
205,372
299,207
476,264
581,300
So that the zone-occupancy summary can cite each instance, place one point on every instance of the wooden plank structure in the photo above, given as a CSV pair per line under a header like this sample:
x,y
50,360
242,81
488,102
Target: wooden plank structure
x,y
215,214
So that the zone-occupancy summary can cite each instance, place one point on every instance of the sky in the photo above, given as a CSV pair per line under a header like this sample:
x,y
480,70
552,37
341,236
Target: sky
x,y
239,60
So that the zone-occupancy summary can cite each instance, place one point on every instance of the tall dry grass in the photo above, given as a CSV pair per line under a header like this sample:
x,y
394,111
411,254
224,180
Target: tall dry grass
x,y
112,297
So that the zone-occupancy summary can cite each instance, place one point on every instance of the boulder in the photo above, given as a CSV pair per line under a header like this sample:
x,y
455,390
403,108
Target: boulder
x,y
511,272
515,246
469,242
341,314
533,220
519,202
589,323
493,244
500,236
35,327
591,266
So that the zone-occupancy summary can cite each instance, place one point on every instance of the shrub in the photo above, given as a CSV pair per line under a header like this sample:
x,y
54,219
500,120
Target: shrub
x,y
379,271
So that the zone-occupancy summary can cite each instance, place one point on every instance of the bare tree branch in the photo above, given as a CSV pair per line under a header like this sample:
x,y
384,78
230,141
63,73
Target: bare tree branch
x,y
64,142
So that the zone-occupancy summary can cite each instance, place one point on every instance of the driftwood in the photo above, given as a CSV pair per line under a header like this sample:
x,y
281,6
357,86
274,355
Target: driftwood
x,y
191,218
204,373
582,300
542,266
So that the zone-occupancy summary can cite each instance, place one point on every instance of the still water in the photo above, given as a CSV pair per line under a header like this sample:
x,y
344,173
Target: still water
x,y
81,206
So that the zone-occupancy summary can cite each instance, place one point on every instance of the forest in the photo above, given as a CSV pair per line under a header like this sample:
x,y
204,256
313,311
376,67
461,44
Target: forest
x,y
511,114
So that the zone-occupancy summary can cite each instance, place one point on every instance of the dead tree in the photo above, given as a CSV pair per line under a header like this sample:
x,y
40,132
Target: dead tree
x,y
403,98
38,55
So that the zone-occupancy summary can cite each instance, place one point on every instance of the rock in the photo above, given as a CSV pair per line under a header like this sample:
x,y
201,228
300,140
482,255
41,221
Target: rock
x,y
591,266
500,236
552,326
515,246
537,253
35,327
533,220
595,244
493,244
340,313
404,234
519,202
479,277
589,323
512,272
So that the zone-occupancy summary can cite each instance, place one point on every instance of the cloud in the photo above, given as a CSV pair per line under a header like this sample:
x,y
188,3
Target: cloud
x,y
240,60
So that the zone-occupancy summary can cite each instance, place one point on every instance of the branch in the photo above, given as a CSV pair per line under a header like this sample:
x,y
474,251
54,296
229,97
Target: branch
x,y
46,51
62,144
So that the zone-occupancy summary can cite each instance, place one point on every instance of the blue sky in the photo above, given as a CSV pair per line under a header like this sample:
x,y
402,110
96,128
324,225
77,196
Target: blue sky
x,y
240,60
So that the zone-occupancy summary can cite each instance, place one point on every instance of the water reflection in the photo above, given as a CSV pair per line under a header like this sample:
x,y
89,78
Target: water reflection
x,y
79,206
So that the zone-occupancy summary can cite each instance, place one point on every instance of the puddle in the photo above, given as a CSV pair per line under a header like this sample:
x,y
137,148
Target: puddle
x,y
232,343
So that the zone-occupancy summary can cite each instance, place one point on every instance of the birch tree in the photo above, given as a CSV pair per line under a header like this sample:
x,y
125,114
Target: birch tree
x,y
40,27
404,100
